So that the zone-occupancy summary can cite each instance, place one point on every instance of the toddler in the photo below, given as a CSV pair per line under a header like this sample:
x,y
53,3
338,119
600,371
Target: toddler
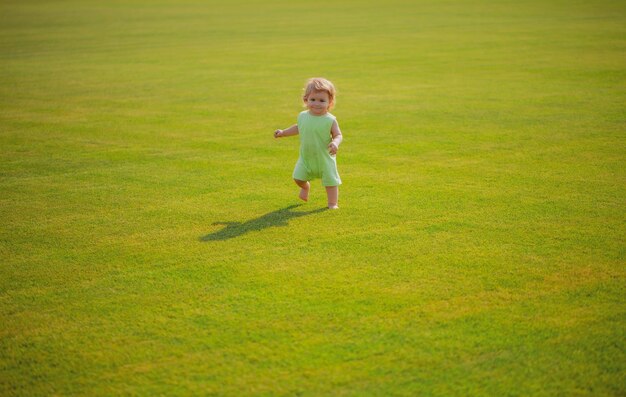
x,y
320,138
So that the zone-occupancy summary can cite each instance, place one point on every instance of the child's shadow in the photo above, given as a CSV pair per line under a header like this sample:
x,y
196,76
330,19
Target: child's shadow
x,y
275,218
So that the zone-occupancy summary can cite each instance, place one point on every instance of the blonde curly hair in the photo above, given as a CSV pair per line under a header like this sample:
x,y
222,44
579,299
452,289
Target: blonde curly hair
x,y
320,84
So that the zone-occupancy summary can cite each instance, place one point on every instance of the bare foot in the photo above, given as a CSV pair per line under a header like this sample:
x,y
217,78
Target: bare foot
x,y
304,192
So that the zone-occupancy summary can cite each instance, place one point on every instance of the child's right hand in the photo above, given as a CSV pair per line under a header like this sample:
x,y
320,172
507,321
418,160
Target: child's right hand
x,y
278,133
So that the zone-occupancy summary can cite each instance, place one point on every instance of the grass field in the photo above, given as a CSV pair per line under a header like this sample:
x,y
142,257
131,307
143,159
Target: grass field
x,y
152,243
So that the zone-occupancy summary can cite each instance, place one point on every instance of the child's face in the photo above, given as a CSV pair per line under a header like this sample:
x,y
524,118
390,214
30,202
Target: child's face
x,y
318,103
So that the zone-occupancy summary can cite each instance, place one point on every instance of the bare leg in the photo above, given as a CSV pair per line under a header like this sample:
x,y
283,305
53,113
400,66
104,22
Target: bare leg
x,y
304,189
333,196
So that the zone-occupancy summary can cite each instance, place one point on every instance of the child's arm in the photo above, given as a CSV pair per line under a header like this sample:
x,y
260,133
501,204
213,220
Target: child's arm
x,y
333,146
293,130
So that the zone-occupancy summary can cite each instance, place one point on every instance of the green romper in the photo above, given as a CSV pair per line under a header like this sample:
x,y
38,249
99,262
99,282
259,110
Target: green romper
x,y
315,161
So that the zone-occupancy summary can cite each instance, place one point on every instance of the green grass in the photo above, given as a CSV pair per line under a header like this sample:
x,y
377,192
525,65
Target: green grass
x,y
151,241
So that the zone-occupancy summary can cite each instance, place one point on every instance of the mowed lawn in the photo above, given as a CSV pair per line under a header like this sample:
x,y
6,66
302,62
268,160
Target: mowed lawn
x,y
152,242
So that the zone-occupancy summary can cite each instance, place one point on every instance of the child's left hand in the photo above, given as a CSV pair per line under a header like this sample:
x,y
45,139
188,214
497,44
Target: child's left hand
x,y
332,148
